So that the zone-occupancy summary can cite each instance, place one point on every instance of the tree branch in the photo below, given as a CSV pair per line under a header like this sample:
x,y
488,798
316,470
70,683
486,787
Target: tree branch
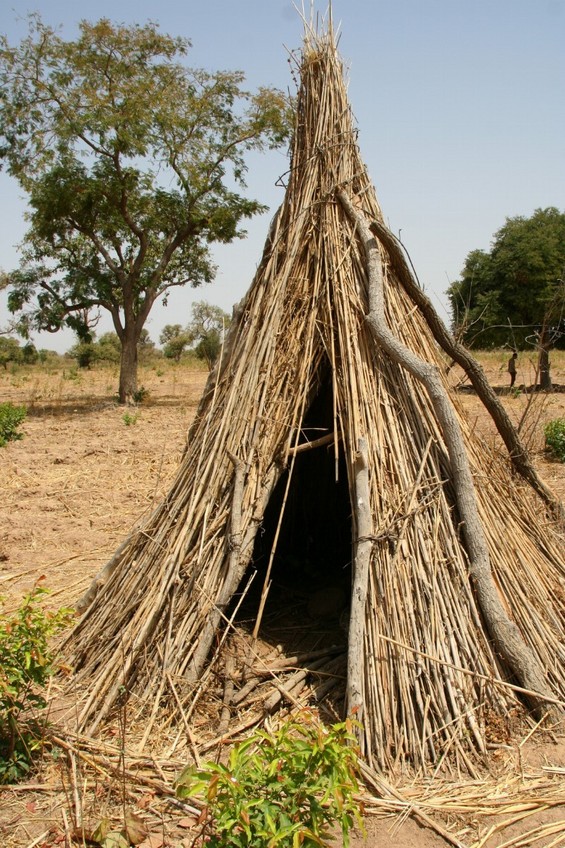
x,y
504,632
517,452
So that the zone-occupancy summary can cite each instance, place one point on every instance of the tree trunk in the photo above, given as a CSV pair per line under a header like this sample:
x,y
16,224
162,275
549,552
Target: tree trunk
x,y
545,383
128,367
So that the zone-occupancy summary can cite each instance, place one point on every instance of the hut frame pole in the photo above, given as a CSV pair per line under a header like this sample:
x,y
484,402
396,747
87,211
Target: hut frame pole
x,y
504,632
363,548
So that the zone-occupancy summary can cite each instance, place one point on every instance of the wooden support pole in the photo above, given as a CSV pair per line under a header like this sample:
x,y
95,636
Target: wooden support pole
x,y
362,559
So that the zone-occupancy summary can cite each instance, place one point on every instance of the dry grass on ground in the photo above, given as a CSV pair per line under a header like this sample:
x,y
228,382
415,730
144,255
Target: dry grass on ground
x,y
85,473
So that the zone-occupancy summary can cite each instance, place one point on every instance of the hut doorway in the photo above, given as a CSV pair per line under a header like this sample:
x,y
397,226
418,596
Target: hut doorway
x,y
307,531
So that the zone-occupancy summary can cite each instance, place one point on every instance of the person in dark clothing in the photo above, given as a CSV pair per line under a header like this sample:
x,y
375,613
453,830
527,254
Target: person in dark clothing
x,y
512,368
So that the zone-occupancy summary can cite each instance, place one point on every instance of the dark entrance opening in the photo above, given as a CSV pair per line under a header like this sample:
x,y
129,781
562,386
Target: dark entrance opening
x,y
307,607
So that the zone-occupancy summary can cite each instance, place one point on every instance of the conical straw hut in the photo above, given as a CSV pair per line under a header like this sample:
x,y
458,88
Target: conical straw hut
x,y
329,459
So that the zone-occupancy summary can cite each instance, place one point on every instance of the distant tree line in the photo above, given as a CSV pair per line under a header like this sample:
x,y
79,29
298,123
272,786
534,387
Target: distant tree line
x,y
202,336
513,295
11,352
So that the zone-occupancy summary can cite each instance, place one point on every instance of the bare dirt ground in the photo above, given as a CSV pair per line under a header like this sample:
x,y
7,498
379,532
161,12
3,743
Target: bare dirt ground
x,y
85,473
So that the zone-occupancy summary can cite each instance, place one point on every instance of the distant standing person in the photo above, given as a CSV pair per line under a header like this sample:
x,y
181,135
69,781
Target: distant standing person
x,y
512,368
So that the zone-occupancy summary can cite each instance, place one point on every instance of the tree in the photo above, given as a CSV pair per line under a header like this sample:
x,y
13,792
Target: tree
x,y
7,329
85,354
515,294
108,348
207,329
10,351
174,340
132,163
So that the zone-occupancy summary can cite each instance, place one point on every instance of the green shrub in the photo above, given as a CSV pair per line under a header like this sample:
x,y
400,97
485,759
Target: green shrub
x,y
282,789
140,395
26,663
554,432
10,419
129,419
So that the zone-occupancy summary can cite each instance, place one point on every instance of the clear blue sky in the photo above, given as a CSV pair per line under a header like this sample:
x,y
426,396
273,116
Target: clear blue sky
x,y
460,106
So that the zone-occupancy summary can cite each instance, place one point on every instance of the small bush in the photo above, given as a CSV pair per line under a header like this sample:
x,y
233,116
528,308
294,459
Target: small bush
x,y
10,419
26,663
554,432
286,788
140,395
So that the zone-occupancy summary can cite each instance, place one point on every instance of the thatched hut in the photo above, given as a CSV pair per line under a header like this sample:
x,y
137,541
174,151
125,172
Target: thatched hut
x,y
330,460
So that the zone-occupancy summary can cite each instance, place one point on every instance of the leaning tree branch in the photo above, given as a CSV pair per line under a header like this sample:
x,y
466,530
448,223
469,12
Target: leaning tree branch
x,y
518,454
504,632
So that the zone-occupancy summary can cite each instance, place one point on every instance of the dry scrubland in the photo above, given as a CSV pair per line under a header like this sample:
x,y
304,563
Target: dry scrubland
x,y
88,470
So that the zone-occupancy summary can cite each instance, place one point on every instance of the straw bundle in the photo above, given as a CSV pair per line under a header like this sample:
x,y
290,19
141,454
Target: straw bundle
x,y
302,375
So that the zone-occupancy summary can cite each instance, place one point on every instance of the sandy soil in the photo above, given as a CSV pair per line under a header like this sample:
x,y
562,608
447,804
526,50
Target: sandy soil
x,y
85,473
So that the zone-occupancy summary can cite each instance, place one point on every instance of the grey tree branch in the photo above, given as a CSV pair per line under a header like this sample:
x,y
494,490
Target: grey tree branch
x,y
504,632
517,452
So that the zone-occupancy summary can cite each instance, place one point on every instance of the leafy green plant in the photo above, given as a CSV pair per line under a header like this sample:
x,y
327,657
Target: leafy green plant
x,y
26,663
129,419
286,789
140,395
10,419
554,432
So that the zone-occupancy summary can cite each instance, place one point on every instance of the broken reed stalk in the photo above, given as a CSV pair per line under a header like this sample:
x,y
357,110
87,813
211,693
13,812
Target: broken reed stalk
x,y
505,634
233,575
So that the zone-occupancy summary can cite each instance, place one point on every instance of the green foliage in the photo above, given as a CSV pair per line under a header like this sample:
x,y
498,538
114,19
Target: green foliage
x,y
286,788
11,417
141,394
515,294
554,432
129,159
26,663
84,353
88,353
146,347
72,374
10,351
208,348
207,329
48,357
130,418
175,340
203,334
108,348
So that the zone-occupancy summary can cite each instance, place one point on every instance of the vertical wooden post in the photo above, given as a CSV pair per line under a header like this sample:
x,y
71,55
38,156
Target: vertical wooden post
x,y
361,562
